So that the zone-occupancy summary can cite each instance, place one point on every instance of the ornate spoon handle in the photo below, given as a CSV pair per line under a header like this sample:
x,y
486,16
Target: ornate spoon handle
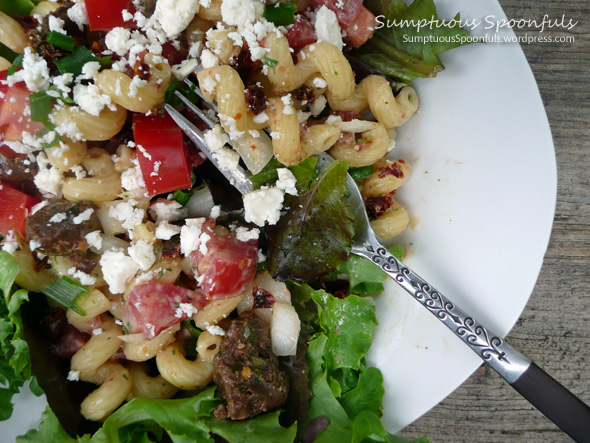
x,y
551,398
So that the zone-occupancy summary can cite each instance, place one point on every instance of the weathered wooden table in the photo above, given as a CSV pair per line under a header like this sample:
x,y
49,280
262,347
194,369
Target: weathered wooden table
x,y
554,329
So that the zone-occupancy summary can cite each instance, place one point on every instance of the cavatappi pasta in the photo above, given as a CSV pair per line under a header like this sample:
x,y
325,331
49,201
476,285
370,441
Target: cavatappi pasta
x,y
153,319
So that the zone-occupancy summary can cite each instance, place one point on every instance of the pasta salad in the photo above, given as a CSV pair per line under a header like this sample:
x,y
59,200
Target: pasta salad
x,y
137,275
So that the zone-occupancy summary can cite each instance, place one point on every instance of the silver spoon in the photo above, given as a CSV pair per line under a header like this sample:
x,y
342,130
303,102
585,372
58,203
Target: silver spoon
x,y
557,403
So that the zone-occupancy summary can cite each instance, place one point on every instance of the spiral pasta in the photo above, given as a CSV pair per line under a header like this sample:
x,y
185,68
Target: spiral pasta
x,y
12,34
183,373
146,349
145,386
366,151
89,127
224,84
375,92
66,155
320,58
115,386
135,94
393,222
387,177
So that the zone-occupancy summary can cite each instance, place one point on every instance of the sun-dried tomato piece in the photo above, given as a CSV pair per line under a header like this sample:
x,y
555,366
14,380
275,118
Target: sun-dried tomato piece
x,y
256,99
377,206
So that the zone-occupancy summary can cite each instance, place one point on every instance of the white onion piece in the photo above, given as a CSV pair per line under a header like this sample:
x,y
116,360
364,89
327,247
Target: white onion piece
x,y
132,338
356,125
111,242
264,314
246,303
284,329
200,203
278,289
255,151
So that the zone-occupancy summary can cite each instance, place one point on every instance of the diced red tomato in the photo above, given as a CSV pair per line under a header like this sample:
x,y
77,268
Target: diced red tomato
x,y
6,152
348,115
152,307
14,208
13,121
174,55
104,15
195,156
346,10
3,86
228,266
162,154
361,29
70,342
301,33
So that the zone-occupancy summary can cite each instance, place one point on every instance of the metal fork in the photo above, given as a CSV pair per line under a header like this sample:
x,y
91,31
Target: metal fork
x,y
545,393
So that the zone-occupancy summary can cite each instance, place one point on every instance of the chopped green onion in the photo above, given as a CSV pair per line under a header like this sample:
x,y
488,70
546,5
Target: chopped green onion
x,y
262,266
73,63
397,251
64,98
8,53
65,291
61,41
280,14
18,7
171,98
41,104
182,196
105,62
360,173
195,332
52,143
17,63
269,62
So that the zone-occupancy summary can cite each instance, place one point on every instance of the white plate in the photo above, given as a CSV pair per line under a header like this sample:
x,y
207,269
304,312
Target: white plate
x,y
482,199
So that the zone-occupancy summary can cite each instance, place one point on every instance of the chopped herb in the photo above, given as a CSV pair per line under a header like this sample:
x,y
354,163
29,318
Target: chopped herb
x,y
41,104
7,53
16,63
73,63
65,291
280,14
361,173
61,41
182,196
189,325
18,7
269,62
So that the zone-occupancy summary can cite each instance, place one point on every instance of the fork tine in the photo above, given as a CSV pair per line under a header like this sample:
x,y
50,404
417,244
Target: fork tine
x,y
198,91
195,109
238,177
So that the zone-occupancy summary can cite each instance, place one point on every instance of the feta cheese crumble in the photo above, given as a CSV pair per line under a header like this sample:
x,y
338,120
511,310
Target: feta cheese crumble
x,y
118,269
189,235
143,254
327,28
244,234
287,181
263,206
241,12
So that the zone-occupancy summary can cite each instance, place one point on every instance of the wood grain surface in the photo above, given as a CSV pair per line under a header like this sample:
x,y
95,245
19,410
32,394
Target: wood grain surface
x,y
554,329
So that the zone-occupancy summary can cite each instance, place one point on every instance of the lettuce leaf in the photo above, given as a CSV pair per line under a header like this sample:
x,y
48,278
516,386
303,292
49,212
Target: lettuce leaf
x,y
314,237
19,7
303,172
336,355
395,51
364,276
15,363
185,421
